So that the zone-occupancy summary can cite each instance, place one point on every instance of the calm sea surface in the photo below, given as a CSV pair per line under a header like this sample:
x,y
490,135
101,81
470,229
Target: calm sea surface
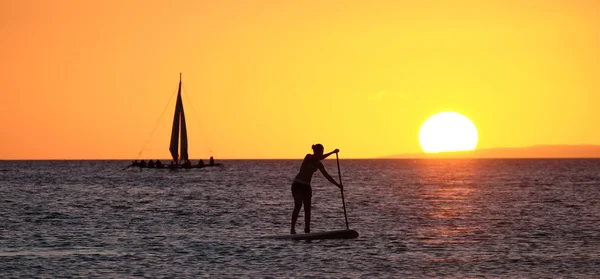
x,y
416,219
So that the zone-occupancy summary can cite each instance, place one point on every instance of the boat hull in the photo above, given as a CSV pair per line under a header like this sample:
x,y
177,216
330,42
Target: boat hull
x,y
176,167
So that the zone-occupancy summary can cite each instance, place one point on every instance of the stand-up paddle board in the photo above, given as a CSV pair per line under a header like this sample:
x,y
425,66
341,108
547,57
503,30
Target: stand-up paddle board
x,y
341,234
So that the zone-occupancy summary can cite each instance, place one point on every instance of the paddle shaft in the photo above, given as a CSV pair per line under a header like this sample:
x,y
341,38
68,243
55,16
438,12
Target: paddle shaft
x,y
343,202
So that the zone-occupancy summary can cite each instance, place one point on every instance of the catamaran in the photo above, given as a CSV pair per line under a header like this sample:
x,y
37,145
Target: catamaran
x,y
178,146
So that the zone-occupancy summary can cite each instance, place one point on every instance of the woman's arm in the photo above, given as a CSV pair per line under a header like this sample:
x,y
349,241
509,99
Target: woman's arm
x,y
327,154
324,172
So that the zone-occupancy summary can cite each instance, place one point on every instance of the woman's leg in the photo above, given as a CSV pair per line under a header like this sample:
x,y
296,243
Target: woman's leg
x,y
297,206
306,199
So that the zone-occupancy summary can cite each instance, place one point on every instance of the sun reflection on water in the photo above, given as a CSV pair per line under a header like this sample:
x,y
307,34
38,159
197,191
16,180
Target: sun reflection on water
x,y
447,190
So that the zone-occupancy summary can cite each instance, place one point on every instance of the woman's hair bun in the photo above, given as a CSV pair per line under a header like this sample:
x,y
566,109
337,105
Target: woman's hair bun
x,y
317,146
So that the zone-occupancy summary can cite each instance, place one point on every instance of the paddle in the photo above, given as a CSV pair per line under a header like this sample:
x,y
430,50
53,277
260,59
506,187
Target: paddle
x,y
343,202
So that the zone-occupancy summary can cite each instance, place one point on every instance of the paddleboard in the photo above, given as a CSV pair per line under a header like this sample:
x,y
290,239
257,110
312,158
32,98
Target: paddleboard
x,y
341,234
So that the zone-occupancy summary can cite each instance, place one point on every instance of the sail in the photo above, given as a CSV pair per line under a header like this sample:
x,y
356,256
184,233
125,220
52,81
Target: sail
x,y
173,147
183,154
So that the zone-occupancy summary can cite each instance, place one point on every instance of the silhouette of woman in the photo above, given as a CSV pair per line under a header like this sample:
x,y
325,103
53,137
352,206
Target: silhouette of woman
x,y
301,189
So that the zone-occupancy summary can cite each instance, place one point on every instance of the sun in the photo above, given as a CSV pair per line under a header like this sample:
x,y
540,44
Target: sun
x,y
447,132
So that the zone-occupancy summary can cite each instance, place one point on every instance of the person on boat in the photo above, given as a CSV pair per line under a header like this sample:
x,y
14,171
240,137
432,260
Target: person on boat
x,y
134,164
187,164
158,164
211,161
151,164
301,189
200,163
142,164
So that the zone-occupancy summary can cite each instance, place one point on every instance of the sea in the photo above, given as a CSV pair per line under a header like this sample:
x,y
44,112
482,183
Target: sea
x,y
447,218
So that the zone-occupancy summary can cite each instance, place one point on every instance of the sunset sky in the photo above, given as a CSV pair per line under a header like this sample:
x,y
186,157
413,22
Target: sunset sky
x,y
267,79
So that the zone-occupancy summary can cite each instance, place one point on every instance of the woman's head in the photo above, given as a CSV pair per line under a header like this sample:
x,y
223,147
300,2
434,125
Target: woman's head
x,y
317,149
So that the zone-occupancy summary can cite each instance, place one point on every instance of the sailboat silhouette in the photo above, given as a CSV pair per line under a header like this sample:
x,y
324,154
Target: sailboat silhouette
x,y
178,146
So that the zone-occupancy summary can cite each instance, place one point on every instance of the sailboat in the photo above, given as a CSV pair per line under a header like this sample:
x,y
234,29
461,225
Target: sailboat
x,y
178,146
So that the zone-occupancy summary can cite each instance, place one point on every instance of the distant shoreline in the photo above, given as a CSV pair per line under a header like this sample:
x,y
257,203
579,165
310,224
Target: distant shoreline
x,y
587,151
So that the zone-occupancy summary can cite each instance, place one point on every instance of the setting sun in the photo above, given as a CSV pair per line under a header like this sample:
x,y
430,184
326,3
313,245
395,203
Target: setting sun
x,y
447,132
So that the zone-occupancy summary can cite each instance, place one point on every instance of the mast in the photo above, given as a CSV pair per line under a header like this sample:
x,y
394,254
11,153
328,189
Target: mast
x,y
183,154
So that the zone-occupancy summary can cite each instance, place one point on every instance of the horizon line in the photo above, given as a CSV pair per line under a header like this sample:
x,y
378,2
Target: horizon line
x,y
373,158
465,154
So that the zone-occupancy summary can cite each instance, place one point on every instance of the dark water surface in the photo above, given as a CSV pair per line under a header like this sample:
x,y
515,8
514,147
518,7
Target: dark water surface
x,y
416,219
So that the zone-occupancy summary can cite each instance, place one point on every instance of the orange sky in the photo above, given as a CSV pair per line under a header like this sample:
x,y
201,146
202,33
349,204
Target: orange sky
x,y
266,79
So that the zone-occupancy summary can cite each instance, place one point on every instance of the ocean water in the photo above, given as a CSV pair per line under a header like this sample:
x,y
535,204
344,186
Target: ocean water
x,y
416,219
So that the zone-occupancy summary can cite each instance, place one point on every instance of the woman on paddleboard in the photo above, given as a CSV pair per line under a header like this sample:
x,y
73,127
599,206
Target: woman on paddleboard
x,y
301,189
